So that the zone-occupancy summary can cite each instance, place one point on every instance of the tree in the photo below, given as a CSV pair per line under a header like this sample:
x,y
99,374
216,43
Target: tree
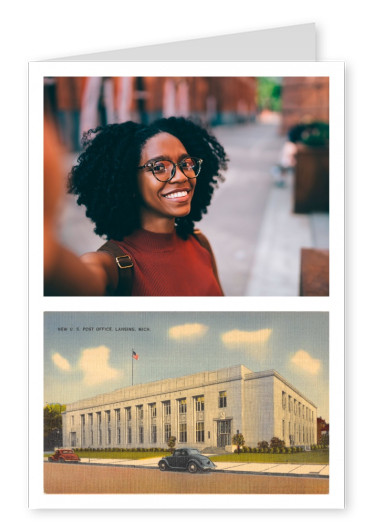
x,y
52,424
277,443
238,440
171,442
263,444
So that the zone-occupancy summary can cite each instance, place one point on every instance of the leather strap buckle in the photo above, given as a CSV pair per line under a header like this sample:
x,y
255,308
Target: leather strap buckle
x,y
127,264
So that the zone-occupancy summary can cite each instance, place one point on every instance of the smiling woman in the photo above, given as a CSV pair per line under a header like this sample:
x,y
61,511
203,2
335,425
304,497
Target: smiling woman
x,y
144,187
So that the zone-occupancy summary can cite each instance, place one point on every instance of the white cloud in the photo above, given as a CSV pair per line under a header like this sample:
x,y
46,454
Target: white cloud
x,y
94,363
60,362
244,338
188,331
304,361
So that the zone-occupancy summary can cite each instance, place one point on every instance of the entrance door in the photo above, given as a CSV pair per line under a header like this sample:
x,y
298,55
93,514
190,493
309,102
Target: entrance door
x,y
223,433
73,439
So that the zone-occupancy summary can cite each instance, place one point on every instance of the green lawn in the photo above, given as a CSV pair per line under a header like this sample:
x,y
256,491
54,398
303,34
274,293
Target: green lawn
x,y
315,456
120,455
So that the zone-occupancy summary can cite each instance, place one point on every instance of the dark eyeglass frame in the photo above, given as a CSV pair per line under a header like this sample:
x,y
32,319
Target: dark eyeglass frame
x,y
150,166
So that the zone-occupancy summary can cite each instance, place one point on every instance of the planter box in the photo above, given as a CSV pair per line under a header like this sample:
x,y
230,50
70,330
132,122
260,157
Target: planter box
x,y
311,185
314,273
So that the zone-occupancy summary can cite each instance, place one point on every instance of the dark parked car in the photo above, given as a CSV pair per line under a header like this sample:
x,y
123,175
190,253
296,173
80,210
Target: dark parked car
x,y
186,459
64,455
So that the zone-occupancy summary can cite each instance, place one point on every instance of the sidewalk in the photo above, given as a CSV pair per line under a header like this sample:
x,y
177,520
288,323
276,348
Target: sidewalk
x,y
276,266
273,469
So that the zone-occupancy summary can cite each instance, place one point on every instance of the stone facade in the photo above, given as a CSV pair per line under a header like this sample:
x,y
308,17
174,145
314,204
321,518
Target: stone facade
x,y
201,410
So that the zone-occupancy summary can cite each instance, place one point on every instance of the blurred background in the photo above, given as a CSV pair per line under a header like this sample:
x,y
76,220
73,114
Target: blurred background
x,y
268,222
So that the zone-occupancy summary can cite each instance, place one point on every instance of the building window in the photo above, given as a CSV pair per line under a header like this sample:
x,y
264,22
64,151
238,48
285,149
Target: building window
x,y
290,403
117,415
283,400
222,399
72,420
283,429
299,409
108,423
141,434
200,433
128,413
140,412
154,434
99,424
182,405
182,433
167,432
129,435
200,403
118,436
153,410
83,435
167,408
295,407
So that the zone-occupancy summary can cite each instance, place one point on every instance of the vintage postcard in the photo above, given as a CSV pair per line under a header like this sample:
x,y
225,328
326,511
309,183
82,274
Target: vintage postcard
x,y
187,403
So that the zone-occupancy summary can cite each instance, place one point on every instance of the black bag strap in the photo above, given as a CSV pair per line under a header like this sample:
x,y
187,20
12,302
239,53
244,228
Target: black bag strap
x,y
125,268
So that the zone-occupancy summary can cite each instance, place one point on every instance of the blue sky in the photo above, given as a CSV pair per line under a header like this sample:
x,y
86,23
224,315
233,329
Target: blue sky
x,y
88,353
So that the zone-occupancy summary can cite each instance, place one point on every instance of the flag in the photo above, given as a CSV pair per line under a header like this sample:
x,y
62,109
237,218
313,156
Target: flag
x,y
134,355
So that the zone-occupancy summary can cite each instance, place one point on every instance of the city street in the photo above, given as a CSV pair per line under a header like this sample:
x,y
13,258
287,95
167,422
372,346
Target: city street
x,y
92,479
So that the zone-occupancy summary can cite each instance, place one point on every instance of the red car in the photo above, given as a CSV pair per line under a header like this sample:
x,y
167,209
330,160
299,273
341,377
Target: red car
x,y
64,455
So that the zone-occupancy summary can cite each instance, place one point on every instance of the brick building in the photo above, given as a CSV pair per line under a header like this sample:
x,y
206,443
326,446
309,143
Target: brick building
x,y
304,99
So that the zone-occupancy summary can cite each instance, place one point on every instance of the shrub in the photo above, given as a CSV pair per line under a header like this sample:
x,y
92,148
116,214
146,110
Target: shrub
x,y
171,443
263,444
238,440
277,443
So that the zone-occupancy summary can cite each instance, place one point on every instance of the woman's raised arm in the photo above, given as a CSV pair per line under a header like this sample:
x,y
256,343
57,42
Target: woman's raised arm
x,y
64,272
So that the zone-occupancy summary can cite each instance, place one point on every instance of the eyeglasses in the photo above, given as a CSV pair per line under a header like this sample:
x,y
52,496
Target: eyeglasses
x,y
165,170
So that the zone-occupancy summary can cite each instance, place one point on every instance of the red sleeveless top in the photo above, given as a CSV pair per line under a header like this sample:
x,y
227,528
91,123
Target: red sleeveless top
x,y
166,265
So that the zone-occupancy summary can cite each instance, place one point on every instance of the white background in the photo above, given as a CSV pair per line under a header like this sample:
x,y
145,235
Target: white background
x,y
41,30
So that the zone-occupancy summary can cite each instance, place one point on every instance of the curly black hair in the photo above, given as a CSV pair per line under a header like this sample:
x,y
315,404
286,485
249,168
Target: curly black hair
x,y
105,176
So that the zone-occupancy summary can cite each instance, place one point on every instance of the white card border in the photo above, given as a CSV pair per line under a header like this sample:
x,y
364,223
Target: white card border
x,y
334,304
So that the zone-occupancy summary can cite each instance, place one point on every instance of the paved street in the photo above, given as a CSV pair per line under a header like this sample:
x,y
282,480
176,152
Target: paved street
x,y
235,217
89,479
255,236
